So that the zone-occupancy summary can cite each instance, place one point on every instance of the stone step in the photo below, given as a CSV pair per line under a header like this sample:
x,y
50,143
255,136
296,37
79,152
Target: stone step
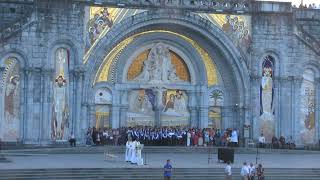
x,y
151,149
152,173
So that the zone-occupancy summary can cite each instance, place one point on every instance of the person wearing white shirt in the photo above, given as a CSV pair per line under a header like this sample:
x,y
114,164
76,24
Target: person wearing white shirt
x,y
262,141
252,171
245,171
228,171
234,138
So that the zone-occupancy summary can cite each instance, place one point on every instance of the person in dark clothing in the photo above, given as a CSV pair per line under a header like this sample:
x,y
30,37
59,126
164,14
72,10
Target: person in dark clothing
x,y
167,170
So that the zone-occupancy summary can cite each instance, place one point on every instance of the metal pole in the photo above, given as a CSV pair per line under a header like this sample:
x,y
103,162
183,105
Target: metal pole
x,y
145,158
257,154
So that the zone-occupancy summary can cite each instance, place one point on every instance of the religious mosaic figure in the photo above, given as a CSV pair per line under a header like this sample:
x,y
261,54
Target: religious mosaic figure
x,y
141,107
158,68
266,98
306,125
10,125
60,100
237,30
175,112
97,24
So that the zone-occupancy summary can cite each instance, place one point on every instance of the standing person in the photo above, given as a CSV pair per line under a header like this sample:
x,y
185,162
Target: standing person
x,y
234,138
262,141
89,137
133,156
188,138
128,150
260,172
167,170
252,171
94,136
72,140
245,171
228,171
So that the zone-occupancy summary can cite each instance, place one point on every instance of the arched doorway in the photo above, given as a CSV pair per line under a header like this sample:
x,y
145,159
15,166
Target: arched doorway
x,y
204,44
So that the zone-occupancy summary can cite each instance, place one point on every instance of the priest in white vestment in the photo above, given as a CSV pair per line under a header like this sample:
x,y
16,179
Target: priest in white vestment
x,y
139,158
128,150
133,158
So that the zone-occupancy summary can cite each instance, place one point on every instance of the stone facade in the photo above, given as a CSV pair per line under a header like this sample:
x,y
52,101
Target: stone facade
x,y
291,37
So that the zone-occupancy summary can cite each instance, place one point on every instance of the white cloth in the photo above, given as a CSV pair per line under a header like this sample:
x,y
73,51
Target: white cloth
x,y
262,139
252,170
227,170
244,171
234,136
133,158
139,159
188,138
128,151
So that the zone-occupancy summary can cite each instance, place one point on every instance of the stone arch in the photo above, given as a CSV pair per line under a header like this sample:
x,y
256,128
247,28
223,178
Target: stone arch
x,y
314,66
22,62
67,44
209,33
20,55
307,124
75,49
276,57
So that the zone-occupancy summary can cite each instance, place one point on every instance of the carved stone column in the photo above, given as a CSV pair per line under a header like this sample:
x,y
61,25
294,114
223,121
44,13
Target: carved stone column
x,y
78,74
192,108
91,114
27,98
124,108
46,112
297,82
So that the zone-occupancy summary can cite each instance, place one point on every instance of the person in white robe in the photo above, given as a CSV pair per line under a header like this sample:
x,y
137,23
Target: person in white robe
x,y
128,150
133,158
139,159
188,138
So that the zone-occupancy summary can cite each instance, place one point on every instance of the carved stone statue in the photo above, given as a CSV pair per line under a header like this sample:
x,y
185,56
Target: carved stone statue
x,y
158,67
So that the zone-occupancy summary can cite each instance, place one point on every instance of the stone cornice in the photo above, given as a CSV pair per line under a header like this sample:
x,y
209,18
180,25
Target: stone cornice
x,y
224,6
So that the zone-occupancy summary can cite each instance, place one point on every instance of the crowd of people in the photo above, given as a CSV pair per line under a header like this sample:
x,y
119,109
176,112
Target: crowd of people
x,y
277,143
165,136
310,6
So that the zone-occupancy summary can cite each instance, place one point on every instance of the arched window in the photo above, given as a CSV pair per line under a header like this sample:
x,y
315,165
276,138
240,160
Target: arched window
x,y
10,99
267,98
60,113
306,122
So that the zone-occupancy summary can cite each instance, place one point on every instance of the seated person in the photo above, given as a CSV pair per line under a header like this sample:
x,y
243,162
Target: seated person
x,y
291,144
282,142
275,142
262,141
72,140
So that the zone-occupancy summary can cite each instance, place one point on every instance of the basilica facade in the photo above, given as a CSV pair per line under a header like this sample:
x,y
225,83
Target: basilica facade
x,y
66,66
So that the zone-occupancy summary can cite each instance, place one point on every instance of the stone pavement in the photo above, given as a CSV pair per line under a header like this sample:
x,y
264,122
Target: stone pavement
x,y
156,160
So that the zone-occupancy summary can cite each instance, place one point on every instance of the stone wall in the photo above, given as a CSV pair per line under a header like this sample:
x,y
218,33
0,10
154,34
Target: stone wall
x,y
54,24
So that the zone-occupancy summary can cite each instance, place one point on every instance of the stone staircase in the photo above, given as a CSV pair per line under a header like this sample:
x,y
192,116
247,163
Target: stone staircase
x,y
308,39
16,26
152,173
148,150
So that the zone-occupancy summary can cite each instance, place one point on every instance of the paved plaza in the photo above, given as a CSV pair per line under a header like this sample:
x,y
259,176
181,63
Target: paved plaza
x,y
156,160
